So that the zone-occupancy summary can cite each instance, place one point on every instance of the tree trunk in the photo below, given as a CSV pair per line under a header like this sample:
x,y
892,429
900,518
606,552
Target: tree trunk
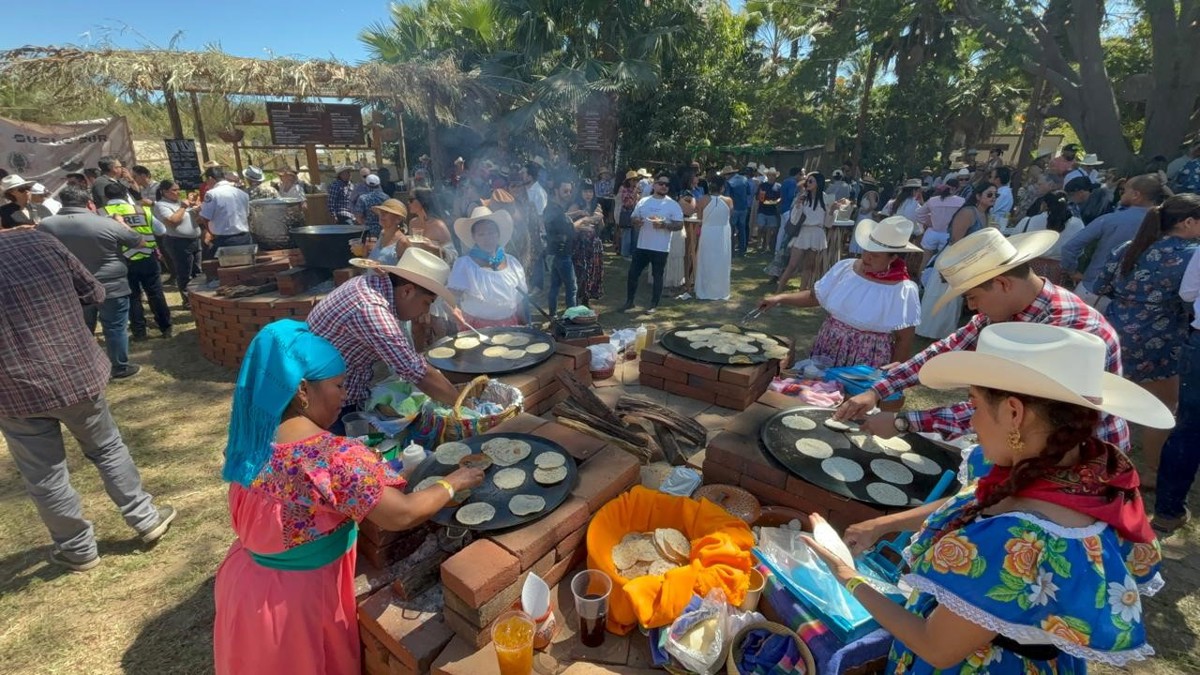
x,y
436,153
864,105
1175,50
1031,131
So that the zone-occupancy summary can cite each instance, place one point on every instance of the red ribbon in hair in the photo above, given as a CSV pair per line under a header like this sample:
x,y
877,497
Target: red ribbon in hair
x,y
897,271
1102,485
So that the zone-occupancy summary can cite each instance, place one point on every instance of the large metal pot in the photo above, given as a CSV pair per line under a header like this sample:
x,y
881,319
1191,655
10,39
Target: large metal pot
x,y
272,220
326,246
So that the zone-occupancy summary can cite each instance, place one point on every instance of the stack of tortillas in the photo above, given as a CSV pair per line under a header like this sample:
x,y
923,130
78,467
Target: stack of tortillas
x,y
639,554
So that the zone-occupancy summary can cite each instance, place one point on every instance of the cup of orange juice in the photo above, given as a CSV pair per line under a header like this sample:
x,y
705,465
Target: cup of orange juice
x,y
513,636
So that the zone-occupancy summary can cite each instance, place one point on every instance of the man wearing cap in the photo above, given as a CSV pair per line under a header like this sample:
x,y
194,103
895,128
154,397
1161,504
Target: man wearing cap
x,y
838,187
738,189
362,319
225,212
1106,233
364,211
360,188
770,194
1086,169
340,206
258,189
993,274
38,194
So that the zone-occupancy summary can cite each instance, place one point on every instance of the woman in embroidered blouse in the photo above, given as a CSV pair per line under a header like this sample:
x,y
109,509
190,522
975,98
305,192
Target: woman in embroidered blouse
x,y
1142,278
873,306
489,282
1040,565
285,592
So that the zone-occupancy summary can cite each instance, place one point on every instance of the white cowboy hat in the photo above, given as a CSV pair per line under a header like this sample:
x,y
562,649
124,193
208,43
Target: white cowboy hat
x,y
771,171
37,189
502,219
418,266
1090,159
12,181
643,173
344,168
911,183
890,235
1051,362
985,255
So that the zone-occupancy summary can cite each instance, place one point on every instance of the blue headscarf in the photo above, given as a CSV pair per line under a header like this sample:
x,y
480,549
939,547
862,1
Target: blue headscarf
x,y
280,356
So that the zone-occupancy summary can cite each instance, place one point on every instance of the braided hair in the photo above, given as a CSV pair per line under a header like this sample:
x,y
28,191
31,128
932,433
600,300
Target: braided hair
x,y
1072,425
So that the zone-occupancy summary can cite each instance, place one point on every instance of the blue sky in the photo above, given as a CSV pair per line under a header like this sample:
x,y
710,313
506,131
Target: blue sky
x,y
245,28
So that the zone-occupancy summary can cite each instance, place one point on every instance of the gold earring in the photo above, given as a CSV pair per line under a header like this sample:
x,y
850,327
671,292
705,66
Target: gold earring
x,y
1015,445
304,404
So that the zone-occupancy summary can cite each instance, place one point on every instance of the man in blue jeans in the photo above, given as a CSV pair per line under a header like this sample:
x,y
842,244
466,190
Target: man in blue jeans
x,y
100,243
560,242
740,190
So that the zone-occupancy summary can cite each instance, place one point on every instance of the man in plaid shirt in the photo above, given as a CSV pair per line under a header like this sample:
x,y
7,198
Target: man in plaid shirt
x,y
53,374
994,277
340,189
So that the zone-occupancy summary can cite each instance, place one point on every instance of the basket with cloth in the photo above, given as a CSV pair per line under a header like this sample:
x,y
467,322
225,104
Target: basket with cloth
x,y
481,405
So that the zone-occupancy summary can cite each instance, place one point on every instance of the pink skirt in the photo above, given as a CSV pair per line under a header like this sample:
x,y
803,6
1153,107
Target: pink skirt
x,y
846,345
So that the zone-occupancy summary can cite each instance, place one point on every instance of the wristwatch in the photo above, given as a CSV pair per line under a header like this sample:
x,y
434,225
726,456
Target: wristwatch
x,y
901,424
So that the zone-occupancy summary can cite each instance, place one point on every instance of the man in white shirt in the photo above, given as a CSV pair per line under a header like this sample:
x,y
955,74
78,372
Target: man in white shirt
x,y
225,213
533,189
1001,176
655,217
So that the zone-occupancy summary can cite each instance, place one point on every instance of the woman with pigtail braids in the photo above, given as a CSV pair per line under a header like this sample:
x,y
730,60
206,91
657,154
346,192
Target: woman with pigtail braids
x,y
1039,564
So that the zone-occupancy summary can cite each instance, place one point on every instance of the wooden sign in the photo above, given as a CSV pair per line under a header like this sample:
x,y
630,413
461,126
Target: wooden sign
x,y
595,125
321,123
185,166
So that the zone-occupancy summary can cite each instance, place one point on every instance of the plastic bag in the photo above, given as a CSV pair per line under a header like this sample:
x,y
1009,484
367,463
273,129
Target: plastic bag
x,y
808,574
697,639
604,356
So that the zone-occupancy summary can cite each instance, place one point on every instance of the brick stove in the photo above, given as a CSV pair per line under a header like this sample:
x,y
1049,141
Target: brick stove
x,y
734,387
538,384
484,579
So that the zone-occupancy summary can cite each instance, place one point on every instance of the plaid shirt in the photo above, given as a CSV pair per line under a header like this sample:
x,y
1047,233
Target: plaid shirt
x,y
1053,305
339,201
363,208
359,318
50,361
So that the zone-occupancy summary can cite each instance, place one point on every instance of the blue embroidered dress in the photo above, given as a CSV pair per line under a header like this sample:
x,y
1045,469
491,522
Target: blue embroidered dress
x,y
1034,582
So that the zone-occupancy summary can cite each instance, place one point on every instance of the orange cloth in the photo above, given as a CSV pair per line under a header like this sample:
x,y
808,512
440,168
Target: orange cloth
x,y
720,557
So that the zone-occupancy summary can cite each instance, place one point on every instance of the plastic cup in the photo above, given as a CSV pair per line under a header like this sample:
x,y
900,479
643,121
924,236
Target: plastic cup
x,y
357,424
757,582
591,589
512,635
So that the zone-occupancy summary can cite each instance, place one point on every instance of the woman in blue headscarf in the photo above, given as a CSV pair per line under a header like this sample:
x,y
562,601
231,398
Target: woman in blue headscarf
x,y
285,592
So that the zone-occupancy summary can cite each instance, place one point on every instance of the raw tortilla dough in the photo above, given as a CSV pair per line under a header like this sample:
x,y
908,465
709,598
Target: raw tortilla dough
x,y
509,479
887,494
891,471
921,464
550,476
466,343
836,425
538,348
799,422
450,453
842,469
892,446
814,447
523,505
549,460
441,353
475,514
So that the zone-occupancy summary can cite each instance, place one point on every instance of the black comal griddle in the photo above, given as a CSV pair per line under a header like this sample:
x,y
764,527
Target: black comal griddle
x,y
487,491
779,441
682,346
473,362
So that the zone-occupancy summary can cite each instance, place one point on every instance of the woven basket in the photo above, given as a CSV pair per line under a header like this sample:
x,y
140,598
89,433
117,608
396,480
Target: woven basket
x,y
735,646
456,427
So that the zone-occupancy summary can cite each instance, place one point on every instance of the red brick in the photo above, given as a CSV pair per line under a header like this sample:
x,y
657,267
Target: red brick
x,y
708,371
567,547
521,424
766,470
690,392
731,450
719,473
534,540
609,473
750,421
547,371
548,404
473,635
564,566
579,445
667,374
478,571
653,354
504,599
579,355
736,403
525,381
536,400
413,636
651,381
739,375
718,388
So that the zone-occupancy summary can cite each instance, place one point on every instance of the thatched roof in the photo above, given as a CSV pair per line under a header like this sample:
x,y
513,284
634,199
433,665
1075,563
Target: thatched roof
x,y
62,71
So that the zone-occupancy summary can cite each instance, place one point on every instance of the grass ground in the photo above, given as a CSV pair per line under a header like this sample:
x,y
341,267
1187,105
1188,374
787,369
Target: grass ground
x,y
151,611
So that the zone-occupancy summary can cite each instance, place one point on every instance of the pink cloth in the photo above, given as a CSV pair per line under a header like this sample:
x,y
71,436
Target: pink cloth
x,y
813,392
273,621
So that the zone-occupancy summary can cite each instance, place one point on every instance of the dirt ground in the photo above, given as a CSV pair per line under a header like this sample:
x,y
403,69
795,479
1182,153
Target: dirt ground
x,y
151,611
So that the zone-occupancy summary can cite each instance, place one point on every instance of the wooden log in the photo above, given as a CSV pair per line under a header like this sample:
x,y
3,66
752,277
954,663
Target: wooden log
x,y
691,430
583,397
670,447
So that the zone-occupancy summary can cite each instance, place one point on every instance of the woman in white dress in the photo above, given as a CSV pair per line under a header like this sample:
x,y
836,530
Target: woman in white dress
x,y
716,251
675,274
873,306
805,250
487,281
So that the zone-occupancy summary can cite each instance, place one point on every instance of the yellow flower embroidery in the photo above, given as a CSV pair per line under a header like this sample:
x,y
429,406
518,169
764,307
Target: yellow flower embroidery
x,y
1024,555
953,553
1142,559
1057,626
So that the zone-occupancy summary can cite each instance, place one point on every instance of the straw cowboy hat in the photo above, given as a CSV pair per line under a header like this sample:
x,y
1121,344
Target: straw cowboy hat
x,y
911,183
643,173
344,168
1051,362
12,181
890,235
727,170
418,266
393,206
771,171
632,174
462,226
985,255
1090,159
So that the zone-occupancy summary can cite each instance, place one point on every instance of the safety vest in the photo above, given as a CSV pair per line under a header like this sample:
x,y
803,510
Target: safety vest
x,y
140,222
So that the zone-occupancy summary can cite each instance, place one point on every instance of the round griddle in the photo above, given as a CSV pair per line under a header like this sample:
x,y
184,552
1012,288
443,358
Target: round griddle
x,y
473,362
672,342
488,492
780,442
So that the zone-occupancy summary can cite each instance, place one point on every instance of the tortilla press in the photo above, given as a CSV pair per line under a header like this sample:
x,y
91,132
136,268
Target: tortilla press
x,y
886,558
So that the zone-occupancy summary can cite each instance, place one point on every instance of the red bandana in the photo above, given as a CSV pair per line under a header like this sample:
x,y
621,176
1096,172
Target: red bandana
x,y
897,271
1102,485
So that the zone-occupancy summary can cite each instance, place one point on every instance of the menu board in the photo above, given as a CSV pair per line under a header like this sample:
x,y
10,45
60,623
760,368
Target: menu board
x,y
185,166
595,125
323,123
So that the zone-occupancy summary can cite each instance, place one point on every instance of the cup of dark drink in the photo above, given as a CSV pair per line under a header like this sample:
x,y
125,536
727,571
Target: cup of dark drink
x,y
591,589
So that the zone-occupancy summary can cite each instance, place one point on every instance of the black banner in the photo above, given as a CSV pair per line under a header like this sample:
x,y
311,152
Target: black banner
x,y
185,166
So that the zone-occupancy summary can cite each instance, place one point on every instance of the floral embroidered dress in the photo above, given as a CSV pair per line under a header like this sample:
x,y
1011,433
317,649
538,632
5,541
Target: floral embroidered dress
x,y
1146,310
270,620
1036,583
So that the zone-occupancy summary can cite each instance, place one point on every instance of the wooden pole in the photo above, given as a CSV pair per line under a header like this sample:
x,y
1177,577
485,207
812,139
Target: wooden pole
x,y
173,112
377,139
199,126
402,145
237,158
314,164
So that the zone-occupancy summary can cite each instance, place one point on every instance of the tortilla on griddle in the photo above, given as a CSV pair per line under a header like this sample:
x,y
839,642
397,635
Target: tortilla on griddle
x,y
921,464
523,505
495,351
887,494
509,479
815,448
549,460
513,354
442,353
891,471
799,422
506,451
538,348
428,482
502,338
518,340
466,343
475,514
451,453
843,469
550,476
